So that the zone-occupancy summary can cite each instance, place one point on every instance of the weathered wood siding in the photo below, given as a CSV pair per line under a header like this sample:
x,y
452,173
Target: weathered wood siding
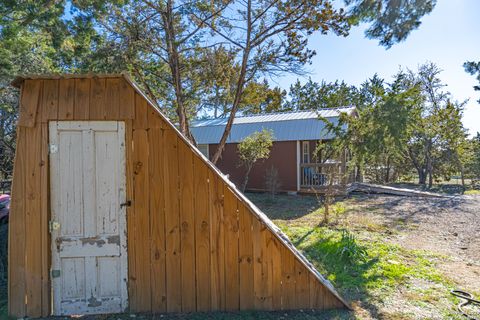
x,y
193,243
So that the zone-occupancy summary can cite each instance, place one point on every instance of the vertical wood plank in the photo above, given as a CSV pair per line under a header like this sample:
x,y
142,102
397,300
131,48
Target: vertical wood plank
x,y
97,99
217,242
262,277
274,251
127,98
245,252
157,219
29,102
317,296
232,279
112,98
49,100
45,216
172,222
16,231
82,99
142,220
187,222
33,265
131,219
141,113
66,98
202,234
302,289
288,279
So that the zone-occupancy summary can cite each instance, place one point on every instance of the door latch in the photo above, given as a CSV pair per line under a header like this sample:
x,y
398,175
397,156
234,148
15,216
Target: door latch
x,y
53,225
127,203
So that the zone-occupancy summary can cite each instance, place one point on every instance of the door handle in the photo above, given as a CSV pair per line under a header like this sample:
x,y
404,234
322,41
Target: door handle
x,y
128,203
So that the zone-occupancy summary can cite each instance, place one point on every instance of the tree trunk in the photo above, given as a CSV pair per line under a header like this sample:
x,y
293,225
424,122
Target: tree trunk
x,y
245,180
174,64
422,177
239,88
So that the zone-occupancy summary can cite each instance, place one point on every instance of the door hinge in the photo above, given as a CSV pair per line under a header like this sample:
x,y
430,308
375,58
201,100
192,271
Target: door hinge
x,y
53,225
55,273
52,148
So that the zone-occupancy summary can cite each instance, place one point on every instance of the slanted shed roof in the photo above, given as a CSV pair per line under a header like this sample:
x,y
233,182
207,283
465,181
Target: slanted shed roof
x,y
286,126
28,114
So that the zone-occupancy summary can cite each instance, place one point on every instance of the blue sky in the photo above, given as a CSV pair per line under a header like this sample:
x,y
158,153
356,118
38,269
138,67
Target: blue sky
x,y
449,36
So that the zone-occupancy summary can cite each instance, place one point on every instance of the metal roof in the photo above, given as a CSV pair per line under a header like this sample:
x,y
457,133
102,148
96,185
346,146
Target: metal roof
x,y
288,126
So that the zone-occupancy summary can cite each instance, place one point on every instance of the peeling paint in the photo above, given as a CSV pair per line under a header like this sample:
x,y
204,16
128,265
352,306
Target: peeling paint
x,y
113,239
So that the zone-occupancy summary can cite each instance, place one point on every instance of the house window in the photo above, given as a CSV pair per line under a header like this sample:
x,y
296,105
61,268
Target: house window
x,y
204,149
306,152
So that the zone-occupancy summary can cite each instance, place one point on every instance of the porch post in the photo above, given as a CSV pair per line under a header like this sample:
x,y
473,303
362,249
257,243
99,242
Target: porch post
x,y
298,165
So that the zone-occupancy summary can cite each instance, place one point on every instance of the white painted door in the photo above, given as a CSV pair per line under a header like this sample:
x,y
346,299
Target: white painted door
x,y
88,223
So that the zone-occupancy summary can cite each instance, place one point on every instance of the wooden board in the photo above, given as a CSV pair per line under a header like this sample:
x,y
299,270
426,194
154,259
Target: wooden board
x,y
49,109
66,98
217,244
246,259
187,231
16,231
142,220
202,234
29,102
33,265
97,99
157,219
81,107
172,223
232,279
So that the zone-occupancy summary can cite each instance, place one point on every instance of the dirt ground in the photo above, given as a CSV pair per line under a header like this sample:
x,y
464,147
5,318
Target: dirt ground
x,y
447,226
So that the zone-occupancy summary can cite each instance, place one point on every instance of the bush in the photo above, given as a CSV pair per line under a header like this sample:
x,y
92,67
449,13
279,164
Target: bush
x,y
349,250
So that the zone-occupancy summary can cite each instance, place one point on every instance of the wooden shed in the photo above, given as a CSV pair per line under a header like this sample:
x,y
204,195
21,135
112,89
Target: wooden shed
x,y
114,210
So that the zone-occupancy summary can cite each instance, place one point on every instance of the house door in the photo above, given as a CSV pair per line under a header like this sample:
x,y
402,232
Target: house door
x,y
88,217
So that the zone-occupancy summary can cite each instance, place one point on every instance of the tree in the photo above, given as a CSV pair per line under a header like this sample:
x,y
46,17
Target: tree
x,y
474,69
270,37
391,20
253,148
166,34
313,96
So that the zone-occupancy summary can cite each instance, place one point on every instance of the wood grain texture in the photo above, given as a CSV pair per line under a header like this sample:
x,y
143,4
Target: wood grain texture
x,y
187,231
232,279
81,107
49,108
16,231
202,234
142,220
29,103
44,218
217,242
193,243
157,218
66,99
33,265
246,258
172,223
97,99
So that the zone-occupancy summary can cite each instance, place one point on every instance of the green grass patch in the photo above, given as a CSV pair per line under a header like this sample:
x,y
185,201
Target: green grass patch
x,y
472,192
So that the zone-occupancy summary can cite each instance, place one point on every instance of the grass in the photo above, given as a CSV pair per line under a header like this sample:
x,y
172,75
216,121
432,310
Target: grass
x,y
354,253
381,278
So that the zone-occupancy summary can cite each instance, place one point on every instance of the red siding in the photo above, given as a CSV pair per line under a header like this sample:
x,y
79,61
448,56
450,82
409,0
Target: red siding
x,y
283,157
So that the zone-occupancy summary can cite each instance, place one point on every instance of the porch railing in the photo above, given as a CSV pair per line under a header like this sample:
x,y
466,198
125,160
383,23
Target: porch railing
x,y
317,175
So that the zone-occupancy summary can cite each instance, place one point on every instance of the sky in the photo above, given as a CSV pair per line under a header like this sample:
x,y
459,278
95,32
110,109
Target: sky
x,y
448,36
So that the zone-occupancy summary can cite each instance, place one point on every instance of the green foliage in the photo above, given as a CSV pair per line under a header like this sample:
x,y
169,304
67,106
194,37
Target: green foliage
x,y
349,250
253,148
313,96
473,68
391,20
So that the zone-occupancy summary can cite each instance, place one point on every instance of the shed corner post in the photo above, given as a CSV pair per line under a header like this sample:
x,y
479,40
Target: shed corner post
x,y
298,165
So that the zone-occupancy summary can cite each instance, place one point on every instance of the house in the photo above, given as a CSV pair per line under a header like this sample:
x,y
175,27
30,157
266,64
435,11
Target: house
x,y
114,210
295,135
